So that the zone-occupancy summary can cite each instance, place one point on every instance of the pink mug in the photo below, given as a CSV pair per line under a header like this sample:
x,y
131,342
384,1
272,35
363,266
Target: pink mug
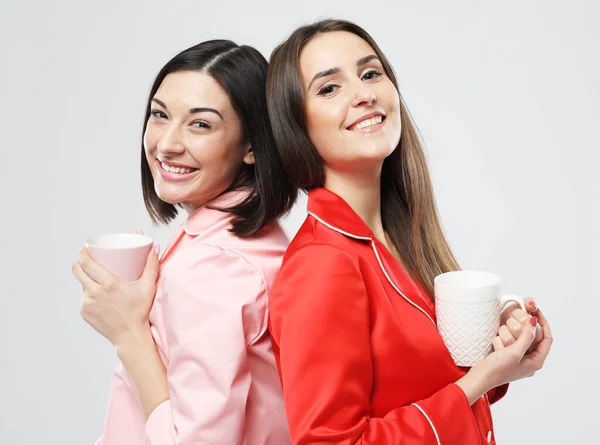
x,y
124,254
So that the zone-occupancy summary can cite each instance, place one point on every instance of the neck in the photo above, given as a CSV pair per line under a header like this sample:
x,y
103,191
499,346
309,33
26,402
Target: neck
x,y
188,208
362,193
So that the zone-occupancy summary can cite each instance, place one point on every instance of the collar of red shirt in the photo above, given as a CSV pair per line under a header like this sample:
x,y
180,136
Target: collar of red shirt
x,y
331,210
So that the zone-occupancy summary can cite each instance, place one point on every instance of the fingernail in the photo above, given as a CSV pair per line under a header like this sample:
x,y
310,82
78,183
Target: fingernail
x,y
533,321
535,308
157,249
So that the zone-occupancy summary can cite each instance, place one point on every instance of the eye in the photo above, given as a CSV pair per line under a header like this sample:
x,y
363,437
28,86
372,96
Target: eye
x,y
158,114
327,90
370,75
201,124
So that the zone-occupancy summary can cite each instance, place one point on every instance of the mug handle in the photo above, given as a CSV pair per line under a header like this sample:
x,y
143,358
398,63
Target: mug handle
x,y
505,299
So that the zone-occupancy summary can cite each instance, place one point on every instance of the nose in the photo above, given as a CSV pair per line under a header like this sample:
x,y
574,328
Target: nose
x,y
170,142
364,96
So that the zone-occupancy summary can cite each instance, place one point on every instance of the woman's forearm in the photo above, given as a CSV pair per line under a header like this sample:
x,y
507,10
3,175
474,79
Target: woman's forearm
x,y
145,369
473,384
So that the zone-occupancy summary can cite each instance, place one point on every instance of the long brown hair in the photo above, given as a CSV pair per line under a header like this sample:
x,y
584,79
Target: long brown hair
x,y
408,208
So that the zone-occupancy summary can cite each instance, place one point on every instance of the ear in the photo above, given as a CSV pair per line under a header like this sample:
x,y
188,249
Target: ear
x,y
249,156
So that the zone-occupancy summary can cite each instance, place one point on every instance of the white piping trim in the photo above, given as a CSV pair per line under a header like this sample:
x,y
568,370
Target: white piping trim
x,y
366,238
394,285
437,438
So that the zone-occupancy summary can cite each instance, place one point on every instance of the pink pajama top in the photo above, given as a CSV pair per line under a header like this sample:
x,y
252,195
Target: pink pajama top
x,y
209,322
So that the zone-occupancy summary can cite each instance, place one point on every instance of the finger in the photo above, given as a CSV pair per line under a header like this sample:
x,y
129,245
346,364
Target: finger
x,y
139,231
543,321
93,269
520,315
506,336
86,308
507,311
530,305
87,283
539,334
526,339
497,343
514,327
152,265
543,347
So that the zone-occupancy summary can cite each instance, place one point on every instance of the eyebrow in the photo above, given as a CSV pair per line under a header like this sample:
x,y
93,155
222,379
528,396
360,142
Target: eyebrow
x,y
366,60
192,110
336,70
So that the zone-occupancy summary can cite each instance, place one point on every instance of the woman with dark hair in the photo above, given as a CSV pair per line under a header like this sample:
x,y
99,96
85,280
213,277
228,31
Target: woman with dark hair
x,y
196,362
352,314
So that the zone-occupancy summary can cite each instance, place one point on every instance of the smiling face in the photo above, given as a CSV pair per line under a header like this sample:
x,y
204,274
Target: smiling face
x,y
194,141
352,107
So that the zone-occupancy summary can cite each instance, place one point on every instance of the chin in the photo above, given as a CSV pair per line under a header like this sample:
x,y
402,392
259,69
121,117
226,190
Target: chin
x,y
169,197
376,152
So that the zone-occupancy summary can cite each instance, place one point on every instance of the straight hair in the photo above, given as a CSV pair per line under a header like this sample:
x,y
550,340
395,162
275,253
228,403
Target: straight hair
x,y
408,208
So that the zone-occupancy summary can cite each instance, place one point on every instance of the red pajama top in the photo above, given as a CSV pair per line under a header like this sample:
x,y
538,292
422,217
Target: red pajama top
x,y
357,348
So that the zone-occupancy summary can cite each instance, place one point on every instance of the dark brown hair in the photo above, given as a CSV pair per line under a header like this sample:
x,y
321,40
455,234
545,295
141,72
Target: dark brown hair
x,y
242,72
408,207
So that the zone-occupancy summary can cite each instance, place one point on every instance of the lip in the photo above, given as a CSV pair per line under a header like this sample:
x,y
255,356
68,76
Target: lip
x,y
365,117
174,177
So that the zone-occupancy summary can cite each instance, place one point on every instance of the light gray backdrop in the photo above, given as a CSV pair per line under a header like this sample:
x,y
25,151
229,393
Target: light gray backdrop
x,y
505,94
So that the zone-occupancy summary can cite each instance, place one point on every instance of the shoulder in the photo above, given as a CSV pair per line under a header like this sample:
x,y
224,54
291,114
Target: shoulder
x,y
318,268
209,268
317,280
218,248
314,241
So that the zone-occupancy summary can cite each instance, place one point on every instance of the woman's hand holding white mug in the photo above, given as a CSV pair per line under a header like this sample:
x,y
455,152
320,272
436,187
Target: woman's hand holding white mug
x,y
509,363
512,321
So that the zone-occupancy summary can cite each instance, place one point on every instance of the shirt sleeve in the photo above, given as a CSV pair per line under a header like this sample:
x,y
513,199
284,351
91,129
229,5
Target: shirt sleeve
x,y
496,394
320,323
214,305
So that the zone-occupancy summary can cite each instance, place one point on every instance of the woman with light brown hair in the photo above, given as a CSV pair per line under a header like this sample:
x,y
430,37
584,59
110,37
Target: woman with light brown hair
x,y
352,315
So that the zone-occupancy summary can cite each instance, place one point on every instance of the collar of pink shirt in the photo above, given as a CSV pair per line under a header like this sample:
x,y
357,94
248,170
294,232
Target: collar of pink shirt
x,y
208,216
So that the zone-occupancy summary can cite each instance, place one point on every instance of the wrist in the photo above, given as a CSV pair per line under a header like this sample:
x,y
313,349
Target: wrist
x,y
474,384
133,340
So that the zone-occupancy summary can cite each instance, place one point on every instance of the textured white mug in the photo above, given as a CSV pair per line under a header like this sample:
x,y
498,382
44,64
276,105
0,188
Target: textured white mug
x,y
468,308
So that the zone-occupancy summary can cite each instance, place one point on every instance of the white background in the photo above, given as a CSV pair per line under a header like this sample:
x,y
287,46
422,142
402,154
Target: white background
x,y
505,94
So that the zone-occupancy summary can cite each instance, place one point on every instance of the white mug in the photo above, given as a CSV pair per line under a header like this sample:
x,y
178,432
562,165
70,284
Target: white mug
x,y
468,307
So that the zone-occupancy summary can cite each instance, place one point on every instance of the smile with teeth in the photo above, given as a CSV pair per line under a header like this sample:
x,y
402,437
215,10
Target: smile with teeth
x,y
180,170
367,123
